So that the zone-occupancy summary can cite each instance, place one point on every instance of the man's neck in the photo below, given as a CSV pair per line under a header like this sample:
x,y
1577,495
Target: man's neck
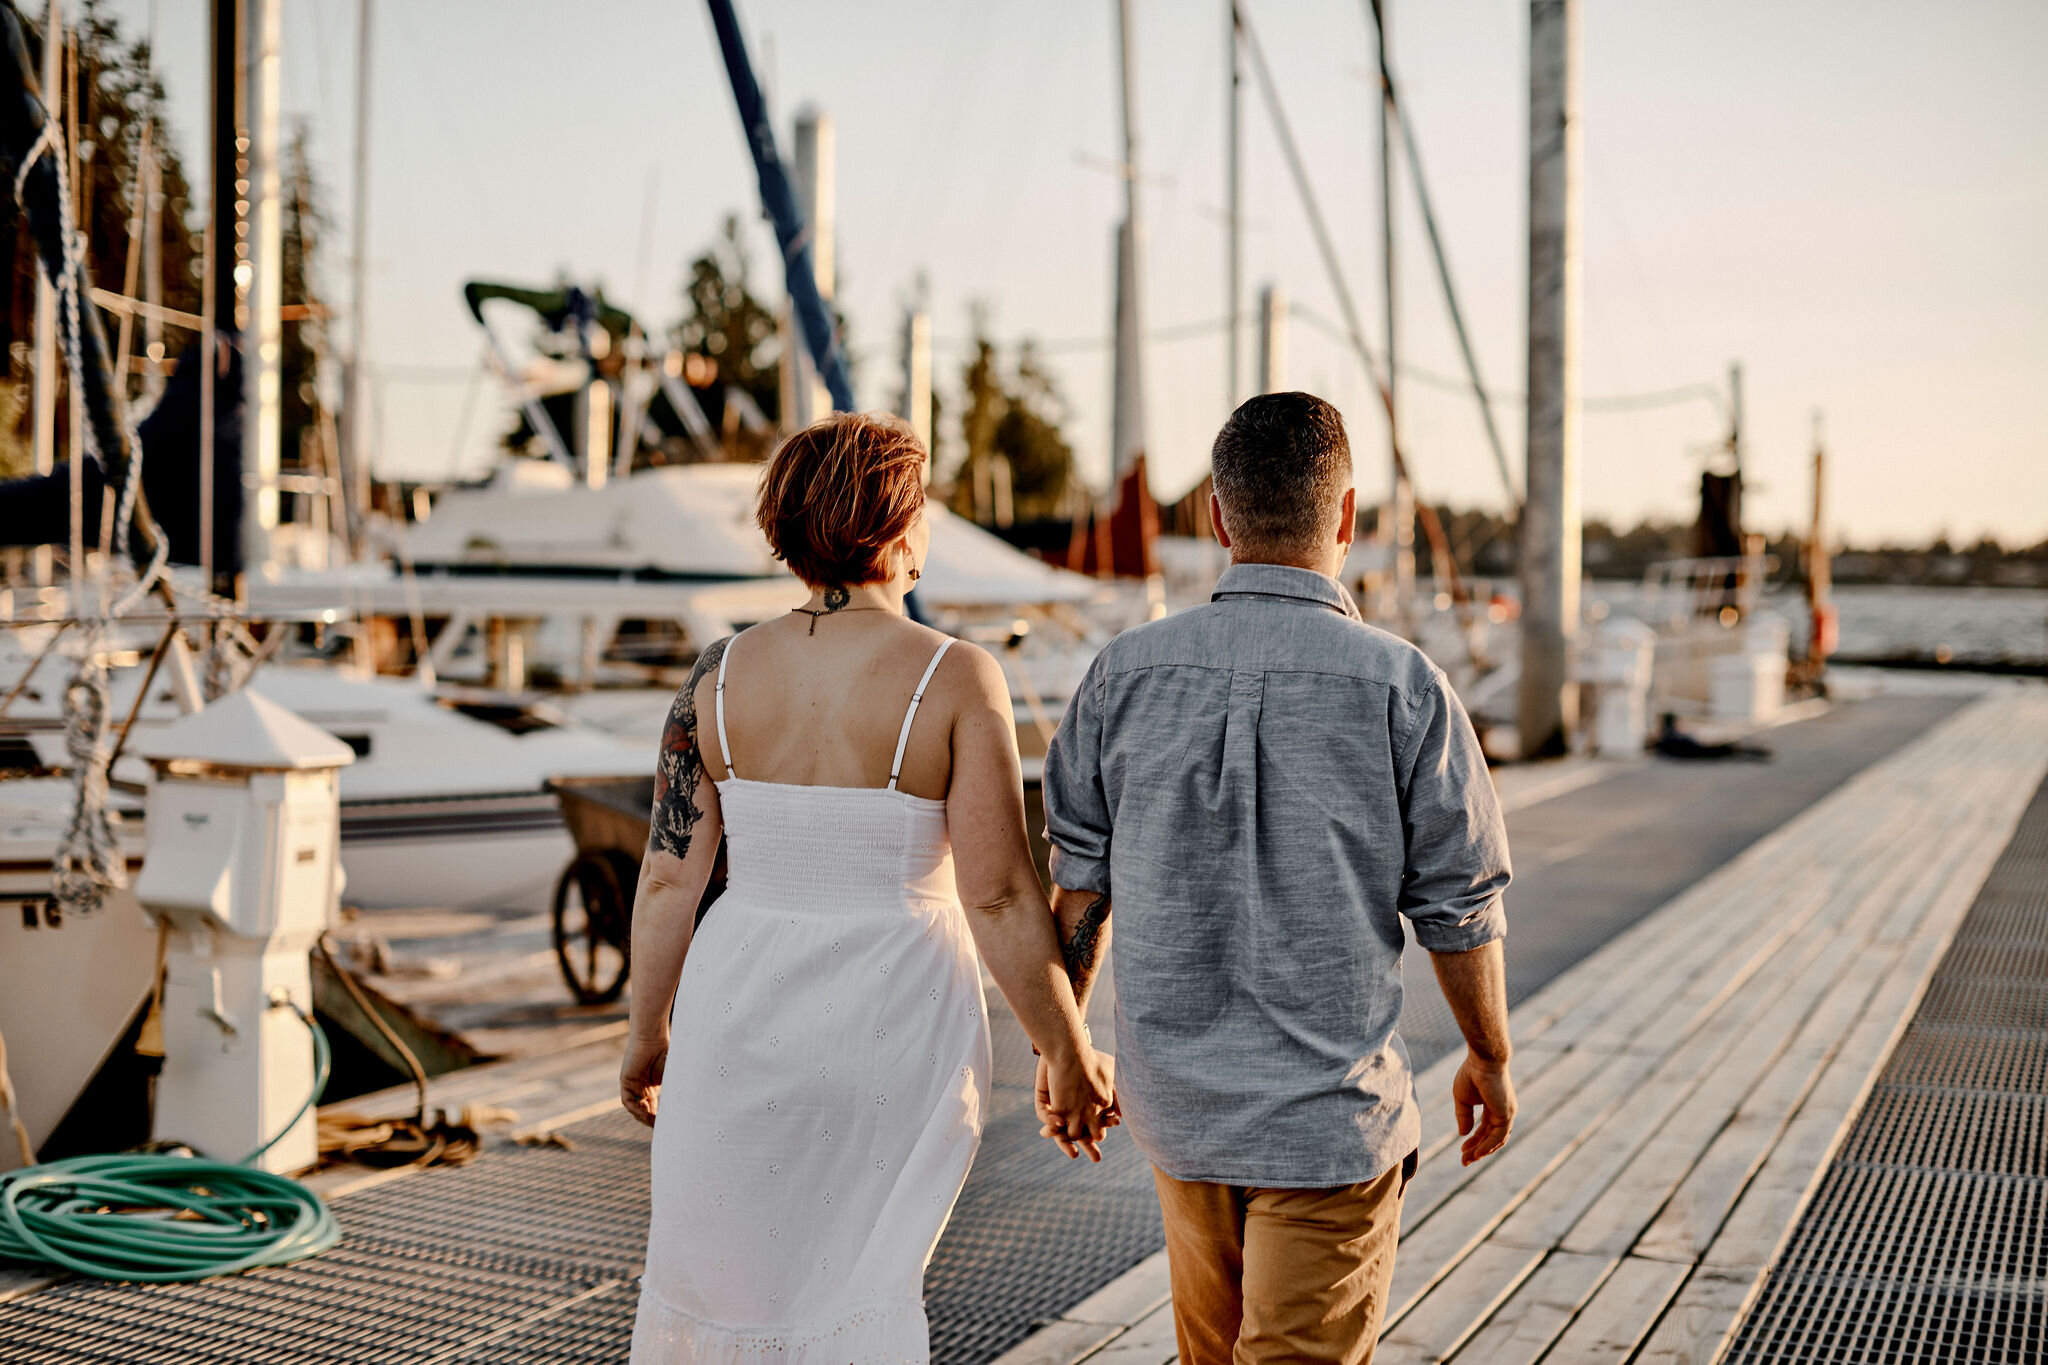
x,y
1316,564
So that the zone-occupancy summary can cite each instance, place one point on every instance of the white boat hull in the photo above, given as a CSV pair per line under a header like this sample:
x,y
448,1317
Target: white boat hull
x,y
478,852
69,985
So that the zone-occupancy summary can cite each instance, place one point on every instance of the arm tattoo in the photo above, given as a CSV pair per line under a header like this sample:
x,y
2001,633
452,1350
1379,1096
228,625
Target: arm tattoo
x,y
1082,952
680,765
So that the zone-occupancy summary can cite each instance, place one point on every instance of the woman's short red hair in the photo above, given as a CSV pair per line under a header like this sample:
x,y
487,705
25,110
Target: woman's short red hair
x,y
837,494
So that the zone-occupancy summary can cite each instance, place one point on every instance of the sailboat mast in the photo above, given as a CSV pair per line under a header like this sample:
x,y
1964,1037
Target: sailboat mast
x,y
356,401
1399,532
46,295
1234,214
1127,421
218,302
1272,339
815,159
917,378
263,334
152,278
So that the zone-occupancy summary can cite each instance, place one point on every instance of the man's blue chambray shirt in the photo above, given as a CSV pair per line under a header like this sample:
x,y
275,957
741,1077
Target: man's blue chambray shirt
x,y
1264,785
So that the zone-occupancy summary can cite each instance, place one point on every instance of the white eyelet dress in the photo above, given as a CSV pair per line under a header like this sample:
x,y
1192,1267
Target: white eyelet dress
x,y
826,1082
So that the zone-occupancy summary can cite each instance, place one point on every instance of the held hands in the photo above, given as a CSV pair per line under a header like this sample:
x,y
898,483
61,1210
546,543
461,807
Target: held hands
x,y
1483,1085
1076,1101
640,1077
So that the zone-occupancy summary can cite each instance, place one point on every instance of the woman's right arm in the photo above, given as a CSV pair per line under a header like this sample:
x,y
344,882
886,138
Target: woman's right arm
x,y
1006,907
682,849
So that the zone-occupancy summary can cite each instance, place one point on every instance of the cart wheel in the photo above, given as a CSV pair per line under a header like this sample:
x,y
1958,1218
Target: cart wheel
x,y
593,925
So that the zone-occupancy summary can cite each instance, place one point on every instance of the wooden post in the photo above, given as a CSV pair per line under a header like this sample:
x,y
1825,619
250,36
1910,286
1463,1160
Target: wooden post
x,y
1550,522
1819,561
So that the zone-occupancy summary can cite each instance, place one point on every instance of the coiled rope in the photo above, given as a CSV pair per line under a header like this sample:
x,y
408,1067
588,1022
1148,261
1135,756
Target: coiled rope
x,y
156,1218
89,862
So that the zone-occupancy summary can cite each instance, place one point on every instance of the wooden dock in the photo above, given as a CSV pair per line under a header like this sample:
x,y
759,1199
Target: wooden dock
x,y
1682,1090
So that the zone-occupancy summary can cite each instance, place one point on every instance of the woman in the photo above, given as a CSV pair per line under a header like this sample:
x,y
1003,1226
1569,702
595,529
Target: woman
x,y
822,1079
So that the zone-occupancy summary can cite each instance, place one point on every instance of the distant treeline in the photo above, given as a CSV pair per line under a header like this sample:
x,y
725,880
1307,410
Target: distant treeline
x,y
1484,544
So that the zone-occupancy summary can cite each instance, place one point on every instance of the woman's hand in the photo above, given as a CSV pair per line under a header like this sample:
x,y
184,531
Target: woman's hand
x,y
640,1077
1076,1101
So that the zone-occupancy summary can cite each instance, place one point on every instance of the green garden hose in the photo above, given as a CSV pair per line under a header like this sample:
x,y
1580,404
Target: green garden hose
x,y
159,1219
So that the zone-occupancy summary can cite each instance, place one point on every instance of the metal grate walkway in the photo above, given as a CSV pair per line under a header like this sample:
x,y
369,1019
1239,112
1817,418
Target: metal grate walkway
x,y
531,1255
1928,1237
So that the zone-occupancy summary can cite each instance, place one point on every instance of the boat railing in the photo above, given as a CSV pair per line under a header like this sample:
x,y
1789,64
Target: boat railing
x,y
1677,589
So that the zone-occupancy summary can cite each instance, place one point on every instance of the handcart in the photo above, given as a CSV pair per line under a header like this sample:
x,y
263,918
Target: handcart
x,y
609,819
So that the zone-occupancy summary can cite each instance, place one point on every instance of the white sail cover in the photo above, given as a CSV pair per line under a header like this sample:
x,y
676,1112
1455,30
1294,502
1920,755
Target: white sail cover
x,y
692,521
969,567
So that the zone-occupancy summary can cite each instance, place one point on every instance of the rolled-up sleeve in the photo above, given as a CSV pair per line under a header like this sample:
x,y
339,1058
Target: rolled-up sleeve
x,y
1077,819
1457,854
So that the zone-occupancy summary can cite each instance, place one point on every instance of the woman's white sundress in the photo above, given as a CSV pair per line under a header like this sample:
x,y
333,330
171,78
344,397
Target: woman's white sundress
x,y
826,1081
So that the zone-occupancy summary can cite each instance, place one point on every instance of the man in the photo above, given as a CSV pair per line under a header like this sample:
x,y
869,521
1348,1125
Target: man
x,y
1263,788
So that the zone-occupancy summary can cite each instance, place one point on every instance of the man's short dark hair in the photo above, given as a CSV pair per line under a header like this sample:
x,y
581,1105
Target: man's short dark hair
x,y
1282,464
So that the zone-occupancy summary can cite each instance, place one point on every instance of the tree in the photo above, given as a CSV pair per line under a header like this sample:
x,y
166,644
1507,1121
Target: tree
x,y
1011,423
725,322
112,92
1029,436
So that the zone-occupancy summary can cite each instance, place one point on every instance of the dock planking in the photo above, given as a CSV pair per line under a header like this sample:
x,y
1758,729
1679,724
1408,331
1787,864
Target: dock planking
x,y
1684,1087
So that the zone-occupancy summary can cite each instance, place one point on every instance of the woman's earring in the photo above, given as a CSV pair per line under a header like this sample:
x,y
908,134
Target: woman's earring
x,y
915,573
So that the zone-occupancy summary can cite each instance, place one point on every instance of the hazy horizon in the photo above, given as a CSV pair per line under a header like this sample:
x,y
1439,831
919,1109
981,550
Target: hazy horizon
x,y
1848,199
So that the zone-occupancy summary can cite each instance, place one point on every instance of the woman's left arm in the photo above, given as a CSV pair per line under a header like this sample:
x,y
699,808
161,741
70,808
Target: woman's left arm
x,y
1007,911
682,850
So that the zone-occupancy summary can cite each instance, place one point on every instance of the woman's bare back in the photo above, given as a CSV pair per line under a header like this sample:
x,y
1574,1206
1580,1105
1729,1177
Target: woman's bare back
x,y
825,708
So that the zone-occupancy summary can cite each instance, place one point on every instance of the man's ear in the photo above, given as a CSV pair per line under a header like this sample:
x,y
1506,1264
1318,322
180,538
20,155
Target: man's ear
x,y
1216,520
1347,525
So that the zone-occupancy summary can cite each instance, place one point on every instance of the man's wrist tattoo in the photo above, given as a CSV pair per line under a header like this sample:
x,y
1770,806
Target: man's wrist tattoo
x,y
1080,950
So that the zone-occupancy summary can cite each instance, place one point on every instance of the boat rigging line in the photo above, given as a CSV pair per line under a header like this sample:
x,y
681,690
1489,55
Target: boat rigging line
x,y
1442,561
1443,260
1674,396
88,861
779,201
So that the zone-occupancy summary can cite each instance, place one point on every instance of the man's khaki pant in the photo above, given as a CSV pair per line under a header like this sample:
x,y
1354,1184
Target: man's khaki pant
x,y
1263,1274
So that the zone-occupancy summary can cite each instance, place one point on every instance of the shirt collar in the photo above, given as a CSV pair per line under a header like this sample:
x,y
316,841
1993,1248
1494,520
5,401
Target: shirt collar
x,y
1284,580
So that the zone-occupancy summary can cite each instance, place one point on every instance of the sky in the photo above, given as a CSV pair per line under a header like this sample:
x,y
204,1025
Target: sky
x,y
1847,197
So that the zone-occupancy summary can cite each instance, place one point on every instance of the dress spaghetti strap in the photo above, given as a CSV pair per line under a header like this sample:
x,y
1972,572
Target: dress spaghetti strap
x,y
724,749
903,737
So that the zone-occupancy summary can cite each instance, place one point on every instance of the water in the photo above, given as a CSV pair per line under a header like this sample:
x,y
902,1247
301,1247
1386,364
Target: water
x,y
1975,625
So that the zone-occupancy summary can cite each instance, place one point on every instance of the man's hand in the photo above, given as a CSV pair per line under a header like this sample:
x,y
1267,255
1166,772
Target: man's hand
x,y
1484,1086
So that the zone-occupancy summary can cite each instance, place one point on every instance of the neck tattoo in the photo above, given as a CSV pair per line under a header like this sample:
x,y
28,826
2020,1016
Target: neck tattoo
x,y
836,598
